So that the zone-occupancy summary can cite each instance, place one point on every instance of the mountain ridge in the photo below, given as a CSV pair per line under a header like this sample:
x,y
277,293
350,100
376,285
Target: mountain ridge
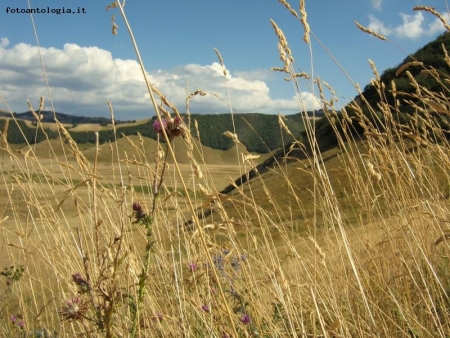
x,y
259,133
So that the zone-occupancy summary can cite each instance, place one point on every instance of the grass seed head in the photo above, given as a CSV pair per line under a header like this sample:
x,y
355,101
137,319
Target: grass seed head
x,y
435,13
288,7
285,51
369,31
219,56
232,136
304,22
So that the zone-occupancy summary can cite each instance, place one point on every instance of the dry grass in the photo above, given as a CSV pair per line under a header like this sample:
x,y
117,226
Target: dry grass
x,y
115,240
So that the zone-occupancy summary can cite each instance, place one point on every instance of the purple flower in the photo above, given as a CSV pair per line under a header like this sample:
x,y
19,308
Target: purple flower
x,y
205,308
15,320
245,319
193,267
177,121
75,309
158,127
81,282
78,279
139,213
219,262
137,207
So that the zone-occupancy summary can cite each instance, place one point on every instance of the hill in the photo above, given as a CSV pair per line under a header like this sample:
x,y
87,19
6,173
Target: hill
x,y
426,66
49,117
386,110
396,89
258,132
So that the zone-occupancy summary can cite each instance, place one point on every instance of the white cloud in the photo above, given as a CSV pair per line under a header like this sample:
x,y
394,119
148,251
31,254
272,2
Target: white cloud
x,y
377,4
412,27
308,100
378,26
82,78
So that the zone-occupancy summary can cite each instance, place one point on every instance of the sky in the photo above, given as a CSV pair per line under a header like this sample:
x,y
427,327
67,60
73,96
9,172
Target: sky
x,y
86,65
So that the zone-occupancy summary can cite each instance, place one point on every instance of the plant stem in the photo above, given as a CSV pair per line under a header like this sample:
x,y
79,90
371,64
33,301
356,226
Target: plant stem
x,y
143,277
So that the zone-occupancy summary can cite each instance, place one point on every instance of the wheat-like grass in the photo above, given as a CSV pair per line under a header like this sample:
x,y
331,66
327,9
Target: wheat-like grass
x,y
304,22
349,241
219,56
5,133
288,7
369,31
285,51
435,13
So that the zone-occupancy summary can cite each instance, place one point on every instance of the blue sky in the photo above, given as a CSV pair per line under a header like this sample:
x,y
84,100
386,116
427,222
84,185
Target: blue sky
x,y
86,65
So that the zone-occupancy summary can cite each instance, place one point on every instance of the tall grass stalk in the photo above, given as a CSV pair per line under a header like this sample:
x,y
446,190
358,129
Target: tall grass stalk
x,y
124,239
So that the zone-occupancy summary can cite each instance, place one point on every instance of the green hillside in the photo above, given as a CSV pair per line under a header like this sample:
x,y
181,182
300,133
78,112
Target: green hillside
x,y
258,132
427,66
394,90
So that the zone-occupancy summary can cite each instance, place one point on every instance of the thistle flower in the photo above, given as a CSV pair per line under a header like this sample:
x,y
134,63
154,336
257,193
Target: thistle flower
x,y
205,308
81,282
139,213
158,126
137,207
177,120
193,267
17,320
176,127
245,319
75,309
173,127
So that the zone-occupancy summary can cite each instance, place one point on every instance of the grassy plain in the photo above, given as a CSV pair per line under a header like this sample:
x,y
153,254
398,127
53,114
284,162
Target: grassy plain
x,y
391,228
118,240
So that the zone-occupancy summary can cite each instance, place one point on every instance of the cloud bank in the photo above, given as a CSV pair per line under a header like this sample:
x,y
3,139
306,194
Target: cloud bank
x,y
412,27
82,79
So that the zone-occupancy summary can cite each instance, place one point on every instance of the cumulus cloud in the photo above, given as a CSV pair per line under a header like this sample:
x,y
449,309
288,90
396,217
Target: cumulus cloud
x,y
82,78
412,27
378,26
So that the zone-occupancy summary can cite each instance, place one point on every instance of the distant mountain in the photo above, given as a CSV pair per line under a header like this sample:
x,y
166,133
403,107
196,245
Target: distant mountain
x,y
49,116
258,132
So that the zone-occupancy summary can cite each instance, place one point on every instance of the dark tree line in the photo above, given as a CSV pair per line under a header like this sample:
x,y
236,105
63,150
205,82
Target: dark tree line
x,y
434,64
258,132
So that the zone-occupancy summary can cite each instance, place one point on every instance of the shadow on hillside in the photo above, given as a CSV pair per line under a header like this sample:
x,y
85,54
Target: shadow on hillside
x,y
291,152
